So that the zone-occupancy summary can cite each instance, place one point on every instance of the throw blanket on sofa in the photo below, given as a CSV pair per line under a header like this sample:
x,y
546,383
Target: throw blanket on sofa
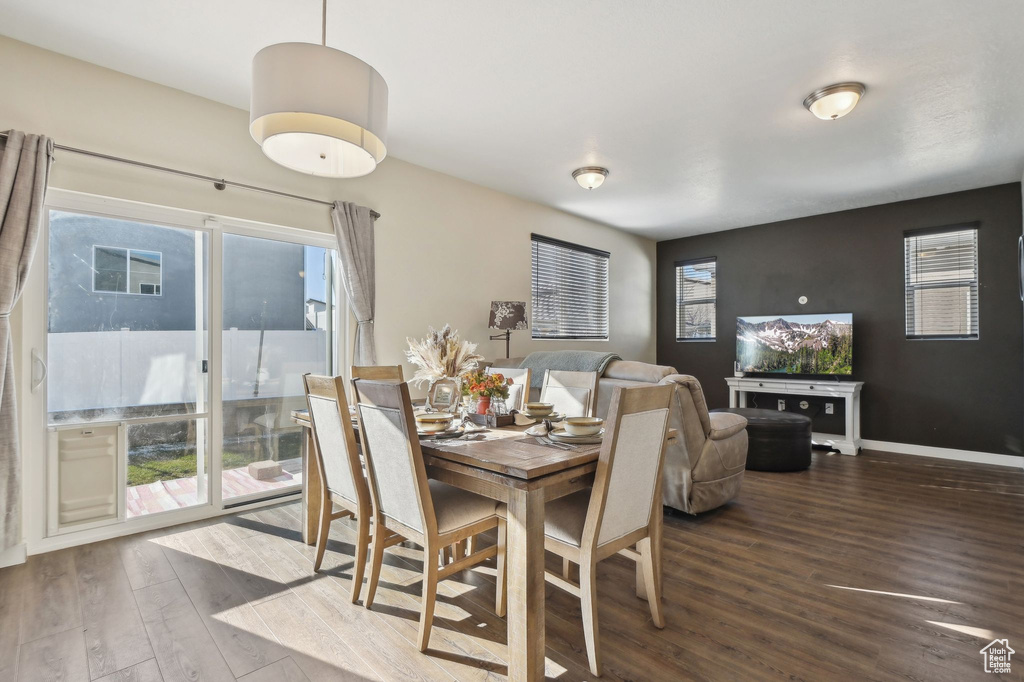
x,y
572,360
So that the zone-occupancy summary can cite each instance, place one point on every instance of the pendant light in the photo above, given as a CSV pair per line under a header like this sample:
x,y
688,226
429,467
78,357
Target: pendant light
x,y
318,110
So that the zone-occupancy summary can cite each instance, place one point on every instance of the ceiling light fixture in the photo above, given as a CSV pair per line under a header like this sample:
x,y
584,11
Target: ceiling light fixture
x,y
318,110
590,177
835,101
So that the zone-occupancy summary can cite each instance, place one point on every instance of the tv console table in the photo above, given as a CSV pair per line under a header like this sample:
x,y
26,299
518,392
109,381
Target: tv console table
x,y
849,391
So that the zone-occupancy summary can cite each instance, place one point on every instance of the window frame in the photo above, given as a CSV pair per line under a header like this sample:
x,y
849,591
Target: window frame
x,y
580,248
33,335
128,271
714,301
976,282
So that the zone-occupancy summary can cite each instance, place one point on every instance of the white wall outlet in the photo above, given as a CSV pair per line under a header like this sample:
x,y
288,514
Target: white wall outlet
x,y
830,408
782,406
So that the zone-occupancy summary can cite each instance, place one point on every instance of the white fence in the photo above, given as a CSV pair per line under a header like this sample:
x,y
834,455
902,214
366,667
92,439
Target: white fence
x,y
93,370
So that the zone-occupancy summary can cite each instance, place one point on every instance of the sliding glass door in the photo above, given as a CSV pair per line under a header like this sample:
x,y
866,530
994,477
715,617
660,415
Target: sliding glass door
x,y
127,350
140,307
278,324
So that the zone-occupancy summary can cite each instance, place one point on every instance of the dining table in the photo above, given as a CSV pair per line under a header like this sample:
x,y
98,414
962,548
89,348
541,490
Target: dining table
x,y
510,466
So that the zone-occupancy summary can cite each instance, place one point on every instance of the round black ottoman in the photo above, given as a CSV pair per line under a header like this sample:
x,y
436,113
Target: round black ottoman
x,y
778,441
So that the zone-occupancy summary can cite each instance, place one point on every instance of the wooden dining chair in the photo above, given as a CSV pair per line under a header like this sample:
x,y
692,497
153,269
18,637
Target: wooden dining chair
x,y
334,446
623,508
408,505
519,391
574,394
378,372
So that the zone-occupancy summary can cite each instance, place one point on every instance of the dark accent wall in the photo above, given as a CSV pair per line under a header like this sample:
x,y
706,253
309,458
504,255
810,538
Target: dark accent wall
x,y
966,395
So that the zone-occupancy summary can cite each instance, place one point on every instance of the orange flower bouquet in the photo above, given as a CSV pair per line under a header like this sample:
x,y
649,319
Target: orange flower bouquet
x,y
483,387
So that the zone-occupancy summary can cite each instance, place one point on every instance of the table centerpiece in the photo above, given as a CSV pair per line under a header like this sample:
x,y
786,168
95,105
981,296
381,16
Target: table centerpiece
x,y
484,387
442,357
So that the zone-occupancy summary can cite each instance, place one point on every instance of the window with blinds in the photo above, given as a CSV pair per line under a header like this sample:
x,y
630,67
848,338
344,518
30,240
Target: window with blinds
x,y
696,299
941,271
570,290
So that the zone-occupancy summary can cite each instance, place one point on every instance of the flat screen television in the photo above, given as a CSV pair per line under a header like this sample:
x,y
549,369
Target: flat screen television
x,y
795,344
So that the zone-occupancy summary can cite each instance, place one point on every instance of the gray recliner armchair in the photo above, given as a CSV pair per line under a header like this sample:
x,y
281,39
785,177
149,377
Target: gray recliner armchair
x,y
704,467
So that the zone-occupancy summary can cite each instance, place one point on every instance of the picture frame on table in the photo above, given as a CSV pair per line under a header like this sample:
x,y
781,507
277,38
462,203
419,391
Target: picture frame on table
x,y
444,395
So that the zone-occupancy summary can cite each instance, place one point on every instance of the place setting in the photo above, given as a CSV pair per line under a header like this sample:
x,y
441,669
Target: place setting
x,y
571,432
540,411
447,426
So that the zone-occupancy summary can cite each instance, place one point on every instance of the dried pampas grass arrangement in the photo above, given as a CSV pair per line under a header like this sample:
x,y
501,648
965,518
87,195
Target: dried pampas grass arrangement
x,y
441,354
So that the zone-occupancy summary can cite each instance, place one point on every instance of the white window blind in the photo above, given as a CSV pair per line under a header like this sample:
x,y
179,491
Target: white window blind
x,y
941,270
696,299
570,290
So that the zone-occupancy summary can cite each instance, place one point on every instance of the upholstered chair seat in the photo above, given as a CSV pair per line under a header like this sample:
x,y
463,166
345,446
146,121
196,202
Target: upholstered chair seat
x,y
455,508
565,517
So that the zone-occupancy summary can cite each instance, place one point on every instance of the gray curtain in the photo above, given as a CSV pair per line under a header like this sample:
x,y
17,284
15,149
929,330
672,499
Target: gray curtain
x,y
24,170
353,226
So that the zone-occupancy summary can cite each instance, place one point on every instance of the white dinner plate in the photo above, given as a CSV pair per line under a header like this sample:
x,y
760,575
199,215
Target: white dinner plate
x,y
562,436
554,416
454,430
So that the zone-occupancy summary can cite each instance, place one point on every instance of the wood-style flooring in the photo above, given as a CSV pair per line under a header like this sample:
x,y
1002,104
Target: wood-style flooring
x,y
877,567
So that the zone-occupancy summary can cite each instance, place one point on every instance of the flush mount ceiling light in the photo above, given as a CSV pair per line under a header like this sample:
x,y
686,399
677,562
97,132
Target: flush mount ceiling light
x,y
590,177
835,101
318,110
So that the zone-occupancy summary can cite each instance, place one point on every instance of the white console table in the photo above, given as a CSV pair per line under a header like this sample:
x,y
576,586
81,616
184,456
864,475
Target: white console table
x,y
849,391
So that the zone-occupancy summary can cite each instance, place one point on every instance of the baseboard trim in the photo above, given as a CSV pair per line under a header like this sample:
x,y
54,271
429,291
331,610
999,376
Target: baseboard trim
x,y
945,453
13,555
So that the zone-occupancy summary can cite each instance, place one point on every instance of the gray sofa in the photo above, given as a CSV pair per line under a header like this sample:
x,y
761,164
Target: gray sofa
x,y
704,467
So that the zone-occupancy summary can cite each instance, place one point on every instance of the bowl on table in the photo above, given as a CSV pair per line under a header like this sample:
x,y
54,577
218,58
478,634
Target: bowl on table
x,y
434,422
583,426
539,410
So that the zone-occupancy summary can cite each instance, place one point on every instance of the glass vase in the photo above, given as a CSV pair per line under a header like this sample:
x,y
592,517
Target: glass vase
x,y
498,406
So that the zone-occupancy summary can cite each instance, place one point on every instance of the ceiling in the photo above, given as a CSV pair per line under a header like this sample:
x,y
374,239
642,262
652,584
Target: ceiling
x,y
695,107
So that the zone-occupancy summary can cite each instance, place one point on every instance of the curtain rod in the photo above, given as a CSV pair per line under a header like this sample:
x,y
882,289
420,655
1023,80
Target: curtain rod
x,y
218,183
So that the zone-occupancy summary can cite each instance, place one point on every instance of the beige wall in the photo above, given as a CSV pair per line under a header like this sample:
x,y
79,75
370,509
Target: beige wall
x,y
445,247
